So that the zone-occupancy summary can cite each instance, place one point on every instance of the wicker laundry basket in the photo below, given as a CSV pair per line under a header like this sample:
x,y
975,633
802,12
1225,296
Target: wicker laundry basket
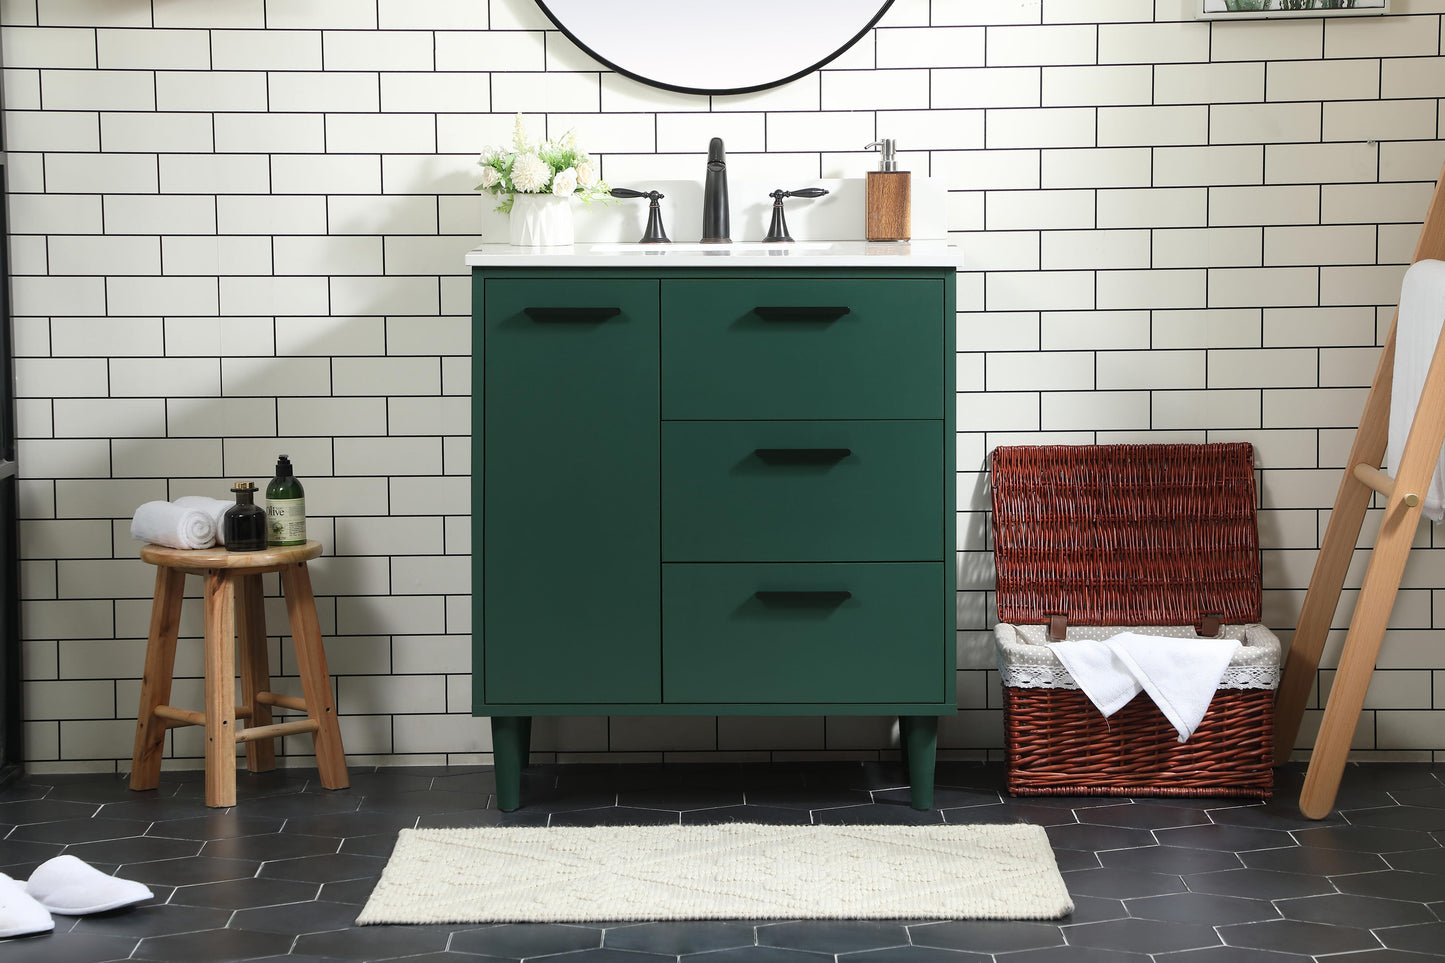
x,y
1155,539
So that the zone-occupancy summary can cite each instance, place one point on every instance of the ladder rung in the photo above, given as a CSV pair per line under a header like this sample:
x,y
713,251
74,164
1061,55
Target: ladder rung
x,y
1377,480
279,729
179,717
285,701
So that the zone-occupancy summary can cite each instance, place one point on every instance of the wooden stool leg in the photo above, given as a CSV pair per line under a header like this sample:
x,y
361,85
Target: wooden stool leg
x,y
255,668
155,687
315,681
220,688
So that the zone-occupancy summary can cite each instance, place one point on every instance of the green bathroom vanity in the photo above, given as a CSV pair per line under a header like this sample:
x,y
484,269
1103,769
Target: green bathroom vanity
x,y
713,483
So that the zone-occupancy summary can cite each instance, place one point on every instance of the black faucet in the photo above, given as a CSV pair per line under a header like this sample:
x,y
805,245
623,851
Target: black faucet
x,y
715,229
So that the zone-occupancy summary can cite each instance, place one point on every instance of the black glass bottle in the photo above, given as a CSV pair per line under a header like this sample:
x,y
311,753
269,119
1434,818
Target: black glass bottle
x,y
245,522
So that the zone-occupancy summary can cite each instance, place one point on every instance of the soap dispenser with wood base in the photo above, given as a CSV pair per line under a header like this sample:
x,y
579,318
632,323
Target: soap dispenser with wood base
x,y
889,197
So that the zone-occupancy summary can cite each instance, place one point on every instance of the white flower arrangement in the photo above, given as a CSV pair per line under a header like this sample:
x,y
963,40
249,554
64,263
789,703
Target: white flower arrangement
x,y
552,167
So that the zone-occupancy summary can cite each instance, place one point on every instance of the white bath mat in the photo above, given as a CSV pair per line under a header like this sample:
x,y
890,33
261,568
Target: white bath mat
x,y
728,871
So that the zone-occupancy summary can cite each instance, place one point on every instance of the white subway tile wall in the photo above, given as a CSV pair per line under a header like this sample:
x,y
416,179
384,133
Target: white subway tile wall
x,y
238,228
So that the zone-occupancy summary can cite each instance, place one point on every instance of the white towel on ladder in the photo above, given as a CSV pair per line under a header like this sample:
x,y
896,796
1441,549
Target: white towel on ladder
x,y
1422,311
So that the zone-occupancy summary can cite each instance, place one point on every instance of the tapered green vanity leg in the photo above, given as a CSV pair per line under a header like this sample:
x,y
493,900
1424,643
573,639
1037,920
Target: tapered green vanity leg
x,y
919,736
510,737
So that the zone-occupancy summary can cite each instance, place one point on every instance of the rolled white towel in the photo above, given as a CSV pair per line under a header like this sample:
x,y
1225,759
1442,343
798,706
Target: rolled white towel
x,y
165,524
214,507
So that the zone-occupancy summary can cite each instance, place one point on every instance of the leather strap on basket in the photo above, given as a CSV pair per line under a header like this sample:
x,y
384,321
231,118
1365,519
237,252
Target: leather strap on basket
x,y
1058,627
1209,627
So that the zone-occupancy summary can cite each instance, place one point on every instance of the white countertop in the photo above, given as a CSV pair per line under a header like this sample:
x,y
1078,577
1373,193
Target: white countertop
x,y
741,254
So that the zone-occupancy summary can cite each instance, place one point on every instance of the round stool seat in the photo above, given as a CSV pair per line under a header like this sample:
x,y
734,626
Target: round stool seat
x,y
220,558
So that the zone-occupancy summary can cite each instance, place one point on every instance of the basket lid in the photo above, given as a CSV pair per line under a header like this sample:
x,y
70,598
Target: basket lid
x,y
1126,534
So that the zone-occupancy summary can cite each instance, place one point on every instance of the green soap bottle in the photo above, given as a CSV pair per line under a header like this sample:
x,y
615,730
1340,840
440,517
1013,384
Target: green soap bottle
x,y
285,507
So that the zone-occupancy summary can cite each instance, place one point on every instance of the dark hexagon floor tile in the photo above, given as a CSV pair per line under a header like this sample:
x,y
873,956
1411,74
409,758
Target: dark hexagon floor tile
x,y
769,815
347,824
1094,909
1365,912
1231,954
14,852
614,816
1313,861
604,955
353,891
1394,884
375,942
1364,839
682,799
1420,861
833,936
302,805
1381,956
79,830
67,947
1143,816
1206,908
1075,954
1298,936
191,870
678,938
82,787
442,957
27,811
135,849
428,801
1027,812
1433,796
313,916
755,954
329,868
942,798
150,807
1000,814
1272,815
205,946
1228,839
987,936
877,815
244,893
907,954
270,846
1121,883
1257,884
223,825
492,816
1419,938
392,779
152,919
1391,776
1423,818
519,940
1170,859
1142,936
380,845
1069,860
808,799
1095,838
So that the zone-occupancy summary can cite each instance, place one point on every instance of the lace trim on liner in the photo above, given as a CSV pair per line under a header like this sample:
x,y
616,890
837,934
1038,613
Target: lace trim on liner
x,y
1051,677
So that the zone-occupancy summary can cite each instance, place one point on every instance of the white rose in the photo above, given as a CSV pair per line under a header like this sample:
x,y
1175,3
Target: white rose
x,y
490,177
586,174
530,174
565,182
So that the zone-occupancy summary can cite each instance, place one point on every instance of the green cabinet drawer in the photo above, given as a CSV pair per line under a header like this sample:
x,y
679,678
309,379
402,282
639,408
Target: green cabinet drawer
x,y
796,634
765,491
568,591
795,348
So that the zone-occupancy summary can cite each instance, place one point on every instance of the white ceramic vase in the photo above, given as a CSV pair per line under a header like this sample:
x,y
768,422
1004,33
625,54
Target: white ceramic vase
x,y
541,220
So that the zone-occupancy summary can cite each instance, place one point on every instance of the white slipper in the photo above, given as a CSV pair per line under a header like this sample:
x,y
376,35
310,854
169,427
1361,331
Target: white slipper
x,y
72,887
20,915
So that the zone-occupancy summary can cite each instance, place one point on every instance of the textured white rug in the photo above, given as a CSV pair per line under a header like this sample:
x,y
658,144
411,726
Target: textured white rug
x,y
728,871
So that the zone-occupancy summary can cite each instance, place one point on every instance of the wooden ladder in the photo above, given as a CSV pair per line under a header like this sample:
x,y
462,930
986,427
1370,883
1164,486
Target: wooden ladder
x,y
1362,479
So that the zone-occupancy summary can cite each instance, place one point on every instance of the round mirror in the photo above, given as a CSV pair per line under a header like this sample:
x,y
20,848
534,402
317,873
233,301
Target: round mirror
x,y
723,47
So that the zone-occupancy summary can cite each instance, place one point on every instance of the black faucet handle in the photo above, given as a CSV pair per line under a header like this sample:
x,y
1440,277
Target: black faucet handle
x,y
778,229
654,233
806,192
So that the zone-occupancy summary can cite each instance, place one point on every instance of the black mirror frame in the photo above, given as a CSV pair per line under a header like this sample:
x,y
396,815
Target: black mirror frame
x,y
882,9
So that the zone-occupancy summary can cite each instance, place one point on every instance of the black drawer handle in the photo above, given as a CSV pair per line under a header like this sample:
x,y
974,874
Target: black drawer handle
x,y
571,315
803,596
802,312
802,456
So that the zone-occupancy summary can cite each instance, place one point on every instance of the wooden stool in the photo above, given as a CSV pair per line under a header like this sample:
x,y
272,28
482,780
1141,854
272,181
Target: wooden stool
x,y
235,609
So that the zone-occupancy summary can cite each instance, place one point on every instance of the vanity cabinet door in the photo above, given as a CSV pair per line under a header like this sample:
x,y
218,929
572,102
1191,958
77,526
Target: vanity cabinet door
x,y
569,597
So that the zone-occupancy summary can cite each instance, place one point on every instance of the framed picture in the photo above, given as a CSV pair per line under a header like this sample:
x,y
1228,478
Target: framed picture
x,y
1252,9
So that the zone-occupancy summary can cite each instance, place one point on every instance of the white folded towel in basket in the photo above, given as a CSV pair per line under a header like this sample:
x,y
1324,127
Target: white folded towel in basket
x,y
1180,675
175,526
214,507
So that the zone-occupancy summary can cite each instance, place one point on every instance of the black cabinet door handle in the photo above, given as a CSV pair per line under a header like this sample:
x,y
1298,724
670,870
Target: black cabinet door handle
x,y
571,315
801,312
802,456
803,596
